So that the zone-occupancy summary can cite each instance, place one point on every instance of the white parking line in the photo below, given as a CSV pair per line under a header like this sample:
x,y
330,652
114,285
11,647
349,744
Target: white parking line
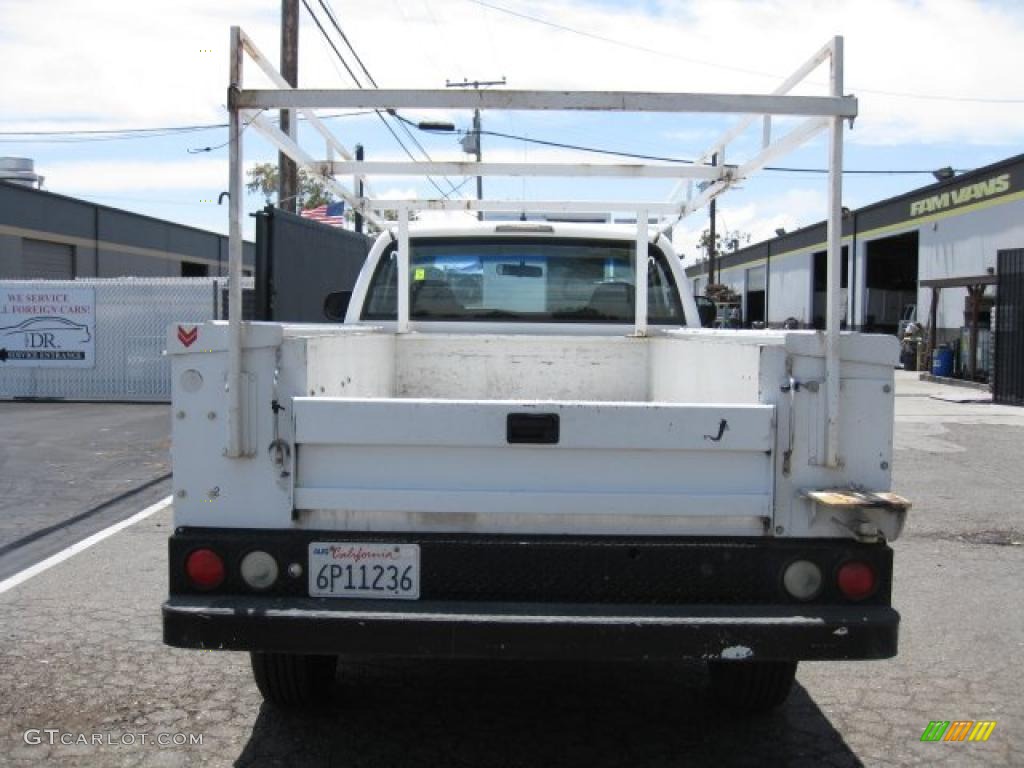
x,y
79,546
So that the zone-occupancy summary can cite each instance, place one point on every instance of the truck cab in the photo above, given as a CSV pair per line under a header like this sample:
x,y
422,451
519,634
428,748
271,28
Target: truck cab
x,y
524,277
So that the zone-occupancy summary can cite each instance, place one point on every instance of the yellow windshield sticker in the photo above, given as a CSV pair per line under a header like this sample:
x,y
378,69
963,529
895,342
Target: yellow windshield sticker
x,y
420,274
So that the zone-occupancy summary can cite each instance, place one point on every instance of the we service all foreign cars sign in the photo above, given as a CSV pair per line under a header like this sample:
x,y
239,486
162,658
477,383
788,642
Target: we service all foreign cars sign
x,y
54,328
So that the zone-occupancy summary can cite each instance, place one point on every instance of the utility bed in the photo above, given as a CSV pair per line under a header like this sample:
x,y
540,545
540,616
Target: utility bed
x,y
689,432
521,443
657,520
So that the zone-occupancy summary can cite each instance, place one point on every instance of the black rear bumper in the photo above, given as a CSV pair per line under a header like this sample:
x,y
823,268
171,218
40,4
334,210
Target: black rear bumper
x,y
524,631
545,597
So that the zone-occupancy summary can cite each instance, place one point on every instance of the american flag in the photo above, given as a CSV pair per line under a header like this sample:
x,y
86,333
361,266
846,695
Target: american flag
x,y
333,215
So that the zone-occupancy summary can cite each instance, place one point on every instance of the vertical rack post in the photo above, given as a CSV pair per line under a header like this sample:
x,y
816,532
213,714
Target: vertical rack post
x,y
640,272
235,207
403,269
834,236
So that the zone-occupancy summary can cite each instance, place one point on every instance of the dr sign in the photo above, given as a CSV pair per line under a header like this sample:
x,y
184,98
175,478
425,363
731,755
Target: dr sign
x,y
47,327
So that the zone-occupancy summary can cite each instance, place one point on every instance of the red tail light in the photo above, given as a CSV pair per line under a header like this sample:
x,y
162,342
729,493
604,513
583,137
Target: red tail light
x,y
205,569
856,580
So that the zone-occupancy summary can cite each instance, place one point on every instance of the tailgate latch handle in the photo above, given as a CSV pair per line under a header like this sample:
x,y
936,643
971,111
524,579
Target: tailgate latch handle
x,y
723,425
533,428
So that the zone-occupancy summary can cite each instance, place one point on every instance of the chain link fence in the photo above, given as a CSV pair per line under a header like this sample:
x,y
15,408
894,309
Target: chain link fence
x,y
131,320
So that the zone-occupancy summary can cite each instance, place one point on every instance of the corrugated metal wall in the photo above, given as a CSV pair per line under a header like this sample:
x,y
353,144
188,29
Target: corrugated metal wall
x,y
104,241
47,261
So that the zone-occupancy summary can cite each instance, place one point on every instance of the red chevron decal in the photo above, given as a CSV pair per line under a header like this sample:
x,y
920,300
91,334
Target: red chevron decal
x,y
187,337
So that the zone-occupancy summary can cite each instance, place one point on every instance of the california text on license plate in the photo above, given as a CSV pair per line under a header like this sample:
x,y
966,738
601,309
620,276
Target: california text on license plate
x,y
361,569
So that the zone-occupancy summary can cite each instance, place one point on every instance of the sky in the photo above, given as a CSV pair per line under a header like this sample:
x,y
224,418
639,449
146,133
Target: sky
x,y
938,84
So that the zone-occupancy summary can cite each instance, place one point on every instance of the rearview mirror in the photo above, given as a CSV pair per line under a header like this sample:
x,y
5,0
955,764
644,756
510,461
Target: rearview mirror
x,y
336,305
520,270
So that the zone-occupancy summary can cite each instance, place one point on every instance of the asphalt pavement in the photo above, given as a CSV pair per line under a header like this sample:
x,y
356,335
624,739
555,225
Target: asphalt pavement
x,y
82,657
70,469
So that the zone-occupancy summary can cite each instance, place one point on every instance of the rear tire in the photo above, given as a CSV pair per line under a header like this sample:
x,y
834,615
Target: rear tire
x,y
751,686
294,681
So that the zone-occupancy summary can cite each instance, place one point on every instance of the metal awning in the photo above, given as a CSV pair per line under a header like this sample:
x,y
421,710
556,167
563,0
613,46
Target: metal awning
x,y
975,286
959,282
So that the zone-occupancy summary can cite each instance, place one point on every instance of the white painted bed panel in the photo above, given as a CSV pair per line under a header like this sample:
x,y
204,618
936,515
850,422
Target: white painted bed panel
x,y
487,367
351,366
445,457
704,371
485,503
553,523
515,469
482,423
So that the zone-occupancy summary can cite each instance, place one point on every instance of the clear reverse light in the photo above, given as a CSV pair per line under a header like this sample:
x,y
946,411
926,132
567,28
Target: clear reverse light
x,y
802,579
259,569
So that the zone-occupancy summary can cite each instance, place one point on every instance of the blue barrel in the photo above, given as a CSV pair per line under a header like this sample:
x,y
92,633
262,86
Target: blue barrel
x,y
942,361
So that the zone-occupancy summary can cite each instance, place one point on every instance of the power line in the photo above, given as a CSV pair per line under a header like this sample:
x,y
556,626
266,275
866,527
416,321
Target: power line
x,y
595,150
87,131
359,85
330,42
334,22
667,54
638,156
612,40
200,150
681,160
126,134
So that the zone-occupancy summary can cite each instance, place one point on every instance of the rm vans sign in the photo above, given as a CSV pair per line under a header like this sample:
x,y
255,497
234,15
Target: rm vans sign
x,y
968,193
48,328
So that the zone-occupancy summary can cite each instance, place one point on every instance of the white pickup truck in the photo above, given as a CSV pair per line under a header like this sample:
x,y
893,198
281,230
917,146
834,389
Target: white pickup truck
x,y
519,473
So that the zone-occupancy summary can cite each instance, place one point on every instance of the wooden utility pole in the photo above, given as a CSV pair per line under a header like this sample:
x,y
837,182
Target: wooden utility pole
x,y
471,143
287,172
479,157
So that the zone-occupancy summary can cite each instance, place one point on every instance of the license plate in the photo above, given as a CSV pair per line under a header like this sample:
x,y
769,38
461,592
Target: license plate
x,y
360,569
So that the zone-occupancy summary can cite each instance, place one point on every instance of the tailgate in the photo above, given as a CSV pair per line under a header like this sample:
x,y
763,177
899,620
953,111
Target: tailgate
x,y
512,465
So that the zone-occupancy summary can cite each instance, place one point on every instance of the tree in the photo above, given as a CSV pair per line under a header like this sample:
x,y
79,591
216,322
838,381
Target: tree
x,y
725,242
313,192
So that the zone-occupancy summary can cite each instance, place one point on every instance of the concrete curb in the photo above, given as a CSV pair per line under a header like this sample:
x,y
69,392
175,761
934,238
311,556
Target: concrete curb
x,y
955,382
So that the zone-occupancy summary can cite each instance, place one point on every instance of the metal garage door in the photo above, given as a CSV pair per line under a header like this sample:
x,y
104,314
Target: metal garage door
x,y
1008,383
45,260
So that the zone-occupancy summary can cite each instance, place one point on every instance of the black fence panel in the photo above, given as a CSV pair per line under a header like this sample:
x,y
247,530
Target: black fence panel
x,y
1008,382
248,304
298,262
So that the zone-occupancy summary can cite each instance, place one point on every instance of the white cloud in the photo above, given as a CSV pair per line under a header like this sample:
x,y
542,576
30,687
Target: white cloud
x,y
117,62
124,63
923,47
107,176
397,193
692,139
795,208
